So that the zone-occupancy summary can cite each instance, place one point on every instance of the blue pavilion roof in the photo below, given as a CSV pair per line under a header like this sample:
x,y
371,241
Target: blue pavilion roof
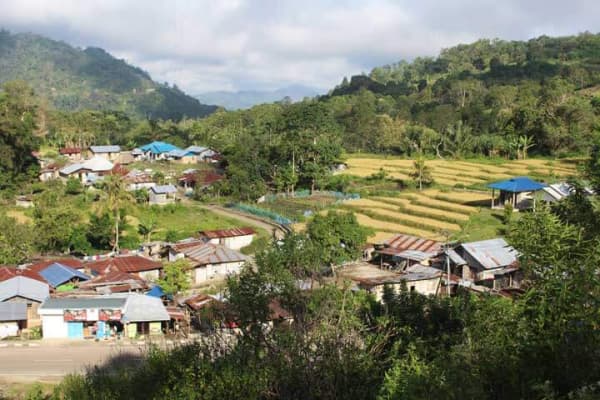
x,y
517,185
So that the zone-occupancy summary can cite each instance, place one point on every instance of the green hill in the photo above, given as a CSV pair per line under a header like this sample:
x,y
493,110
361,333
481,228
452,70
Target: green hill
x,y
490,93
72,79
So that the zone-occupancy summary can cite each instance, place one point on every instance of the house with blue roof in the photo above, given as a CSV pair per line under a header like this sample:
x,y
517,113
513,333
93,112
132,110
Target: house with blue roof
x,y
155,151
516,191
57,274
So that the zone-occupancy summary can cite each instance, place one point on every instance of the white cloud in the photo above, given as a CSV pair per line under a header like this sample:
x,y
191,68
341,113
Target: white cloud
x,y
232,44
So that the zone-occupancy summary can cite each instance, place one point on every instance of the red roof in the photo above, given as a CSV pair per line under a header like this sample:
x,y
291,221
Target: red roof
x,y
225,233
199,301
70,150
43,264
7,273
403,242
179,246
118,169
131,264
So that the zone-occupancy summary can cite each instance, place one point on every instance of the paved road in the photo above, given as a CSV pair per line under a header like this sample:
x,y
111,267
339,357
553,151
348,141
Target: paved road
x,y
50,362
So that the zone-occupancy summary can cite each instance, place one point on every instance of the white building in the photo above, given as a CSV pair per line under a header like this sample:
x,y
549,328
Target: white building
x,y
235,238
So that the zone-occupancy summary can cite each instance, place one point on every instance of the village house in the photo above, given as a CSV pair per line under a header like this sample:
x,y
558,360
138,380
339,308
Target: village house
x,y
143,267
209,261
130,315
87,171
49,172
402,250
192,179
161,195
154,151
558,191
27,291
24,201
234,238
57,274
115,281
110,153
136,180
72,153
492,263
518,192
182,156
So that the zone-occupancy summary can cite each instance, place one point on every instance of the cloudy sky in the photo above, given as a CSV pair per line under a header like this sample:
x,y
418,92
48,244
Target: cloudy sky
x,y
267,44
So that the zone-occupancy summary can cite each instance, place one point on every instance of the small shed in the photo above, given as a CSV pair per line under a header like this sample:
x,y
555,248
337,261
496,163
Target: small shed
x,y
163,194
13,317
516,191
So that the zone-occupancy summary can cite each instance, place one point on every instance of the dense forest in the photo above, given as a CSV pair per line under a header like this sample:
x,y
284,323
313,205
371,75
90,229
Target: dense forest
x,y
72,79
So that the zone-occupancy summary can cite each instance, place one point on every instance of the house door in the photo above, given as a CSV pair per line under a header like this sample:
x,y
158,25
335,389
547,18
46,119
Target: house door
x,y
75,330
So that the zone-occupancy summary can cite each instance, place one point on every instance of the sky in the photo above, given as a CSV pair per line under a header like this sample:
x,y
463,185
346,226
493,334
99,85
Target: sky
x,y
267,44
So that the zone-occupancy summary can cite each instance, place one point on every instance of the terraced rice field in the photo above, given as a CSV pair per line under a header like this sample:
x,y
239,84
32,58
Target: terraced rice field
x,y
466,173
432,213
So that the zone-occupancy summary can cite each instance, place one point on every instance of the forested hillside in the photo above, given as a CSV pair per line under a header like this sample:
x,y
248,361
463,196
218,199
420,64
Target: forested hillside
x,y
72,79
484,97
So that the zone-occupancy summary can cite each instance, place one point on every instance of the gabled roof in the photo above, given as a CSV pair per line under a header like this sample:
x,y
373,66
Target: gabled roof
x,y
22,286
158,147
401,242
56,274
13,311
142,308
115,278
130,264
8,273
493,253
70,150
164,189
81,303
517,185
196,149
74,263
209,253
420,272
71,169
179,153
105,149
97,164
226,233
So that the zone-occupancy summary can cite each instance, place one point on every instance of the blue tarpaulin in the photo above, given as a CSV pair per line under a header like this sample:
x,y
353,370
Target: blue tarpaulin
x,y
517,185
56,274
156,291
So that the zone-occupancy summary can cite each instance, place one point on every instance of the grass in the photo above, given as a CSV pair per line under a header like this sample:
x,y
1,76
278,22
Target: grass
x,y
486,224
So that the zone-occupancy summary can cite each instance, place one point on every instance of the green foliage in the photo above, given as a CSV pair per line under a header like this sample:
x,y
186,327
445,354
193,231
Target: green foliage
x,y
16,241
338,235
91,79
176,277
73,186
421,173
100,231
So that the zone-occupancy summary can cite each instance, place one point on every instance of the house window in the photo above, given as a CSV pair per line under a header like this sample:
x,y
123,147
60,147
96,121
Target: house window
x,y
412,288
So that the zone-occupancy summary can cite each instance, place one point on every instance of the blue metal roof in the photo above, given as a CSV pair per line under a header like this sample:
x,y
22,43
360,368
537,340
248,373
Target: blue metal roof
x,y
197,149
158,147
56,274
517,185
180,153
164,189
156,291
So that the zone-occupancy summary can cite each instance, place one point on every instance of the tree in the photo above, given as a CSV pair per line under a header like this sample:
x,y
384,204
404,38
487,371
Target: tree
x,y
100,230
176,277
338,236
147,226
73,186
16,241
421,173
116,199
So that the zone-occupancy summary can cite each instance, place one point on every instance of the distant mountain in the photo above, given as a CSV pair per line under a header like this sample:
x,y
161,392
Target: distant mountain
x,y
76,79
249,98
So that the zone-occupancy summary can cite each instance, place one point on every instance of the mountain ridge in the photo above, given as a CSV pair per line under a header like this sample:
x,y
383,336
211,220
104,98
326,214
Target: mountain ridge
x,y
75,79
243,99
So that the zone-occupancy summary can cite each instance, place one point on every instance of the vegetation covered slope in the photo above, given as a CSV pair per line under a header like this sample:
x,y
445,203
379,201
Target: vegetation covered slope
x,y
73,79
483,98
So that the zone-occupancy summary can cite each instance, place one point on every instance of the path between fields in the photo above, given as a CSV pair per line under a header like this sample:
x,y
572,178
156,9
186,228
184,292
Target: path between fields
x,y
271,227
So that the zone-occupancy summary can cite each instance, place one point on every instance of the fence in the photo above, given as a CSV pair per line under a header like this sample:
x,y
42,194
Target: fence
x,y
261,212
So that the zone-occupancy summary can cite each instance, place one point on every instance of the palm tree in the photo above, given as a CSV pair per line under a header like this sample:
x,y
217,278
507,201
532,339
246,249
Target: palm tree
x,y
116,198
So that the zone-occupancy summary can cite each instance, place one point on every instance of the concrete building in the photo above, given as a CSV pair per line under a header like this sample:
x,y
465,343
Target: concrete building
x,y
161,195
87,171
110,153
27,291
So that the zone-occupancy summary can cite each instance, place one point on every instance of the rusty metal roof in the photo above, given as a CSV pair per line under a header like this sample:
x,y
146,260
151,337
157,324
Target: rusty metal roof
x,y
209,253
407,242
493,253
124,264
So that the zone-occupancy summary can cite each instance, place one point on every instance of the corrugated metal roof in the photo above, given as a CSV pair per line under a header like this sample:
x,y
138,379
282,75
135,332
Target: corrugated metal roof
x,y
493,253
164,189
56,274
142,308
77,303
70,169
105,149
98,164
13,311
24,287
70,150
416,255
209,253
225,233
420,272
517,185
197,149
130,264
407,242
158,147
179,153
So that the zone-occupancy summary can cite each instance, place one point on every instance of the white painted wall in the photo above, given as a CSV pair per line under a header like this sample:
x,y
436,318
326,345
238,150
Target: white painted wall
x,y
207,272
151,275
54,327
